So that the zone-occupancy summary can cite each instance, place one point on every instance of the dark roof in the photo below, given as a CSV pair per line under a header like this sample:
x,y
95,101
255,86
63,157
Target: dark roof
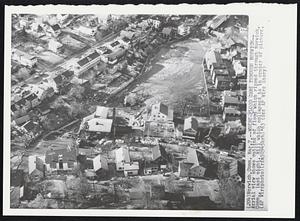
x,y
163,109
119,53
223,78
29,126
215,132
17,177
194,123
65,153
167,31
68,73
21,102
156,153
31,97
58,79
55,27
83,61
13,107
93,55
89,164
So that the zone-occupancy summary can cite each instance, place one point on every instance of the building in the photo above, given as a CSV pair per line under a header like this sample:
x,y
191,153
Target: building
x,y
232,99
55,46
87,31
240,69
24,58
167,32
95,166
219,72
97,122
231,114
214,61
62,159
154,23
193,166
55,30
222,82
183,30
127,34
164,129
114,57
36,167
159,160
161,112
99,125
190,128
234,127
122,157
217,21
242,84
86,63
131,168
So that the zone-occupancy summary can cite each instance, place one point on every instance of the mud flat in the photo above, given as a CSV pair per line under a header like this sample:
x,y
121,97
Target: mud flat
x,y
174,75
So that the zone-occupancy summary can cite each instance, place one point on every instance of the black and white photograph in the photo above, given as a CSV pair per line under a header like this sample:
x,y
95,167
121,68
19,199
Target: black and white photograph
x,y
128,111
149,110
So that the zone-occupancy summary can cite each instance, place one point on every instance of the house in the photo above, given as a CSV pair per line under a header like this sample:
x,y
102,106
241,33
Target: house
x,y
131,168
95,166
167,32
154,23
217,21
22,119
86,62
219,72
101,112
36,167
231,99
99,125
190,128
23,58
127,34
55,46
97,121
34,100
240,69
242,84
87,31
159,160
114,57
234,127
183,29
122,157
214,61
164,129
222,82
161,112
193,165
55,30
231,114
62,159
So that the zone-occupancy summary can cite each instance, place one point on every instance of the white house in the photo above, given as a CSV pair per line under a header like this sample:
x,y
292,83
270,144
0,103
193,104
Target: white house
x,y
23,58
63,159
183,29
154,23
87,31
131,169
54,45
190,128
122,157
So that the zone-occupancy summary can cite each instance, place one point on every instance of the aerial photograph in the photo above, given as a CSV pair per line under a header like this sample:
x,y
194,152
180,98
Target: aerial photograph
x,y
128,111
